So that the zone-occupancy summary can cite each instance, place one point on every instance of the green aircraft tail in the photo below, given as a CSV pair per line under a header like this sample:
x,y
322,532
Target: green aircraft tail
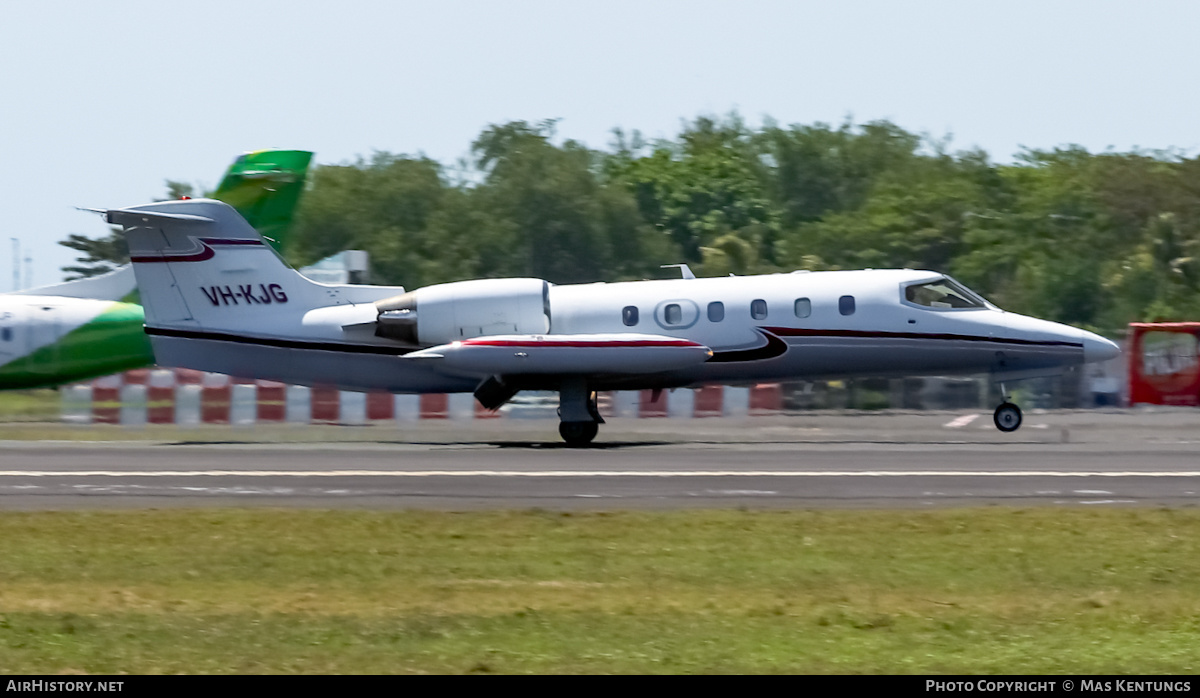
x,y
265,186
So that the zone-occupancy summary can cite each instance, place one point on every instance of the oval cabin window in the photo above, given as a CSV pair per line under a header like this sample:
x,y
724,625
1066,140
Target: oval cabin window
x,y
716,311
758,309
803,307
629,315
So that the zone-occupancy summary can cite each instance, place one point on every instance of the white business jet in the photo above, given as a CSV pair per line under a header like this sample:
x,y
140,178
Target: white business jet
x,y
218,299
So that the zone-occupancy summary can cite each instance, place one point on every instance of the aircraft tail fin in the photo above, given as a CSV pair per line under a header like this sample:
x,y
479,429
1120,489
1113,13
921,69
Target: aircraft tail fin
x,y
201,266
265,187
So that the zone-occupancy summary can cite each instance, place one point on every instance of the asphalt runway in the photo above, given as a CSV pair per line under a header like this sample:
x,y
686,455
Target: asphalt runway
x,y
895,460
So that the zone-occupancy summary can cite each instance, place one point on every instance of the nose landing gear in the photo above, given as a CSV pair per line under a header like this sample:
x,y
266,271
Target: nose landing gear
x,y
1007,416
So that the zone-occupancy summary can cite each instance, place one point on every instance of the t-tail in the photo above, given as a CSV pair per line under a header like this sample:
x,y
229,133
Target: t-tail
x,y
264,186
207,276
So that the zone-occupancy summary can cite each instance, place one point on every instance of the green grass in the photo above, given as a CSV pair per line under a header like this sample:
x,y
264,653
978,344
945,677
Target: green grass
x,y
971,591
30,406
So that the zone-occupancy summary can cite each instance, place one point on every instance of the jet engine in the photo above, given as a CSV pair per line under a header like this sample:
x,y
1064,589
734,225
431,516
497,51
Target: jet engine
x,y
464,309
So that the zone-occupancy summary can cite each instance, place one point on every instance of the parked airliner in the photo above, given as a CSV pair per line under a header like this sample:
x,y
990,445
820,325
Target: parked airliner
x,y
218,299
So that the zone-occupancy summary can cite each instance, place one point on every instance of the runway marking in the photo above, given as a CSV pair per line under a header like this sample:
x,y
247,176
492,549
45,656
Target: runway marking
x,y
962,421
594,473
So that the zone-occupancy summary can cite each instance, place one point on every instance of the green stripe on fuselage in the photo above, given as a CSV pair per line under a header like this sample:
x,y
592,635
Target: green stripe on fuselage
x,y
113,341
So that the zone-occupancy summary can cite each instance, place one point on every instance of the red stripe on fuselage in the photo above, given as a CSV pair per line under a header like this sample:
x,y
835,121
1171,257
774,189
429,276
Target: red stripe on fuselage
x,y
204,254
578,343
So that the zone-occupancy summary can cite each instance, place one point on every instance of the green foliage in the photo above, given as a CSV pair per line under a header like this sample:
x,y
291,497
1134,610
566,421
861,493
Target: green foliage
x,y
704,189
552,216
383,205
98,256
1096,240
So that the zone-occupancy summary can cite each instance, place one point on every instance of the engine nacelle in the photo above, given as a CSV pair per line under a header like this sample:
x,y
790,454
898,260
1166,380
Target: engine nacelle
x,y
448,312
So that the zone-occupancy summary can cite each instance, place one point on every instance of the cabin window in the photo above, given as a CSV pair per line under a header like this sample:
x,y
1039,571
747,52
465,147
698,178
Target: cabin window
x,y
6,334
803,307
673,314
716,311
758,309
846,305
629,315
942,293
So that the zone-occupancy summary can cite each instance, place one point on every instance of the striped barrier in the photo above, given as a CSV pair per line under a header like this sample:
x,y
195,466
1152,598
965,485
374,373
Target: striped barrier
x,y
184,397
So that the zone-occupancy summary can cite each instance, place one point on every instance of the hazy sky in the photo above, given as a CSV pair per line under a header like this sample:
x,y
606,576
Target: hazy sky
x,y
101,102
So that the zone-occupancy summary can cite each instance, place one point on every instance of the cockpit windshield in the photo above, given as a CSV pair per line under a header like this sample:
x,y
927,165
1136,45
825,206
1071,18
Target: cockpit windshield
x,y
942,293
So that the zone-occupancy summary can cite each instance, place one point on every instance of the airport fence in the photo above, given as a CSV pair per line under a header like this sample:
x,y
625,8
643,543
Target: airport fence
x,y
184,397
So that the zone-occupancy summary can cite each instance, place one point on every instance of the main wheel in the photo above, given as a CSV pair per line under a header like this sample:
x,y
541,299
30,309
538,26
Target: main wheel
x,y
1007,417
578,434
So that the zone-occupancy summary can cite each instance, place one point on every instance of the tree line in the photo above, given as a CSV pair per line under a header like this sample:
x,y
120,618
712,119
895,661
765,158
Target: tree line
x,y
1092,239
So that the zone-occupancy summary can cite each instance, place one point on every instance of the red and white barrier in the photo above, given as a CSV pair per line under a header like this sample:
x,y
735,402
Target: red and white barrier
x,y
185,397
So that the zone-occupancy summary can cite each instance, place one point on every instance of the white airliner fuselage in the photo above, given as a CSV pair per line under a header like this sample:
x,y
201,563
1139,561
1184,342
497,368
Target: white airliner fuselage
x,y
217,299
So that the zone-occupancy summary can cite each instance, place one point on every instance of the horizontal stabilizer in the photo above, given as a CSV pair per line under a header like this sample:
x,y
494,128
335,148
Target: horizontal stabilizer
x,y
133,217
565,354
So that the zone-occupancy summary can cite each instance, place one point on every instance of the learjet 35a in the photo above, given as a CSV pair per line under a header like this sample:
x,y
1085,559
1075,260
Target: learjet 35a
x,y
218,299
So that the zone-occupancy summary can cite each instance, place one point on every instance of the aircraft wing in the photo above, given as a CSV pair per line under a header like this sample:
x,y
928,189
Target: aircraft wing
x,y
564,354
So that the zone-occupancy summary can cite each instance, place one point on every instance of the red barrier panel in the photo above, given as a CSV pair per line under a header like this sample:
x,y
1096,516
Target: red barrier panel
x,y
710,401
272,401
325,404
215,397
160,405
188,376
381,406
106,400
648,406
160,398
766,398
435,406
137,376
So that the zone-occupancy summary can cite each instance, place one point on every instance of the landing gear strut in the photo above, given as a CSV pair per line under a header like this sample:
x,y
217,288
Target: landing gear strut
x,y
580,416
1007,416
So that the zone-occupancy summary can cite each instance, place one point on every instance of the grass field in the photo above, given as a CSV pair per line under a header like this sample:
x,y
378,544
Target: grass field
x,y
248,591
29,406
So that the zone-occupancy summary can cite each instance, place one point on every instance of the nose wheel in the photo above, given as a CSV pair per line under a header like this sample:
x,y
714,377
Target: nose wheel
x,y
1007,417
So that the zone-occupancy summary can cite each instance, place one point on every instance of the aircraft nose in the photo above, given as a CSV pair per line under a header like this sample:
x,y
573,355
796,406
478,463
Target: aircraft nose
x,y
1097,348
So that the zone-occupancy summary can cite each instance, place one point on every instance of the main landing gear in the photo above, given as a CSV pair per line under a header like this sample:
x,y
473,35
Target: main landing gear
x,y
1007,416
578,434
580,416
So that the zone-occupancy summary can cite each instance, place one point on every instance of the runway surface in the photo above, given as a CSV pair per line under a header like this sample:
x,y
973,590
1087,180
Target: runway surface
x,y
879,461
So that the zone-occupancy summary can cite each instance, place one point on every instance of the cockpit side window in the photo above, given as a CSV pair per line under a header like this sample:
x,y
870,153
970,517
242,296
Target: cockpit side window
x,y
942,293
